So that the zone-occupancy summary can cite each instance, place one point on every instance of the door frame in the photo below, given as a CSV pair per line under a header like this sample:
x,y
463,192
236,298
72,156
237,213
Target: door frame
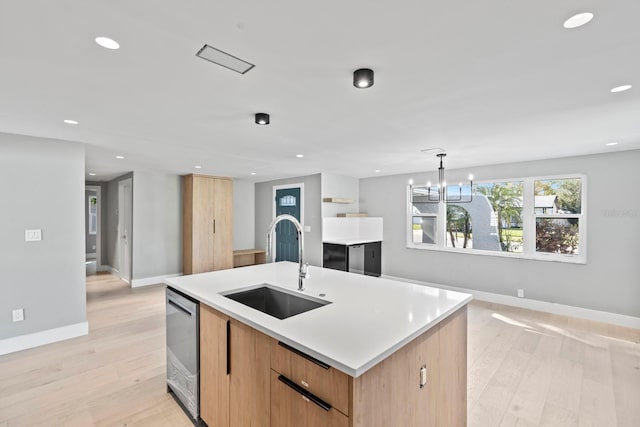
x,y
299,185
122,217
98,190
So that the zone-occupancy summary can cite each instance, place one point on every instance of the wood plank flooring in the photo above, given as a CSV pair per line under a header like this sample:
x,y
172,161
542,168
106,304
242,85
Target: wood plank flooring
x,y
525,368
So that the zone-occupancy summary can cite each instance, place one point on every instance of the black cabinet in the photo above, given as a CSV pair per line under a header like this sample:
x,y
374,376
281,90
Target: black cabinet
x,y
336,256
372,255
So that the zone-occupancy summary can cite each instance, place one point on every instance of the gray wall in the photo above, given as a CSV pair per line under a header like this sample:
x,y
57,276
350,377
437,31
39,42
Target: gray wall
x,y
312,214
42,187
157,229
110,231
244,210
340,186
610,281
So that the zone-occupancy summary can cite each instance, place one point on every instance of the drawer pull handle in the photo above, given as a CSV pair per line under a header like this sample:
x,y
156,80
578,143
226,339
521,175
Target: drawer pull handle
x,y
306,356
305,394
304,384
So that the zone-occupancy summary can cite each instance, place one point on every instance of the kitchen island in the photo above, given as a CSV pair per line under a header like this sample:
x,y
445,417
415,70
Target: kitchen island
x,y
380,353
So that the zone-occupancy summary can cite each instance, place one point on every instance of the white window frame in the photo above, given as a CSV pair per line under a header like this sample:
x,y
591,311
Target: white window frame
x,y
528,224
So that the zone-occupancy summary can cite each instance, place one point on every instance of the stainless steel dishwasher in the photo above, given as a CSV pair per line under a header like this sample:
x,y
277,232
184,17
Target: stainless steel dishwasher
x,y
183,363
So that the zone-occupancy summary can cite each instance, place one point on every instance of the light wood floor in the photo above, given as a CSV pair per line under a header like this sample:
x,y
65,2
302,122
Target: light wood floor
x,y
525,369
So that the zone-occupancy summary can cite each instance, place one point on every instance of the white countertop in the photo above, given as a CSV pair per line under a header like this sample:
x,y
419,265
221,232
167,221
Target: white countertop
x,y
369,318
350,242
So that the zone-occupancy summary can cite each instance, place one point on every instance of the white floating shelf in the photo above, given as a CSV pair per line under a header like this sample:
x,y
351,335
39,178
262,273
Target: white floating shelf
x,y
336,200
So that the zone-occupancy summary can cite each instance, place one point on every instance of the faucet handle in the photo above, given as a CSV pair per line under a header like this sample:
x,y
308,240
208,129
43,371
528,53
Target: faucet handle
x,y
304,271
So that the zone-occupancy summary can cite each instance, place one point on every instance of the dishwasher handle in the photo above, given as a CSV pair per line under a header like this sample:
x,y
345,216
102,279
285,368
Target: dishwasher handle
x,y
180,307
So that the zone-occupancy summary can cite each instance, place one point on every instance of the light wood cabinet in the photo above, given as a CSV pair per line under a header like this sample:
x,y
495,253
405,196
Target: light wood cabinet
x,y
290,407
214,380
250,379
234,372
207,223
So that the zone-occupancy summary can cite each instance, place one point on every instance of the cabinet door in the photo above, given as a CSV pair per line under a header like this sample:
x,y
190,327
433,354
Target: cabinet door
x,y
202,230
289,408
372,258
250,366
222,214
214,380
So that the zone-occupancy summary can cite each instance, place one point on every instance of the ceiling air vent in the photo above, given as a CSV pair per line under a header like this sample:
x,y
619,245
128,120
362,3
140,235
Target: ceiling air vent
x,y
224,59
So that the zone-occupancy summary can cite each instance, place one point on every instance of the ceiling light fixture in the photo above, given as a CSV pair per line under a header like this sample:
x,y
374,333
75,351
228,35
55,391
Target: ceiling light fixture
x,y
578,20
611,144
363,78
120,157
92,174
621,88
441,193
107,43
299,156
253,173
377,171
71,122
223,59
198,167
262,119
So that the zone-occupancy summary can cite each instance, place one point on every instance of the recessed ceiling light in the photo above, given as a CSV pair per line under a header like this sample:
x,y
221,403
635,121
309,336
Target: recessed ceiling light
x,y
70,122
578,20
108,43
621,88
377,170
253,173
611,144
198,167
120,157
92,174
299,156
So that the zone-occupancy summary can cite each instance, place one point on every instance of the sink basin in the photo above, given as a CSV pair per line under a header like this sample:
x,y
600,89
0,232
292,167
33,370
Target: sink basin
x,y
275,302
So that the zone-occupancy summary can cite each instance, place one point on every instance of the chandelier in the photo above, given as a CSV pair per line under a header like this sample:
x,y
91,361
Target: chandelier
x,y
440,192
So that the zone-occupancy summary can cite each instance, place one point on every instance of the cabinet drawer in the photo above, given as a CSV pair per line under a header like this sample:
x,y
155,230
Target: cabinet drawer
x,y
291,407
323,381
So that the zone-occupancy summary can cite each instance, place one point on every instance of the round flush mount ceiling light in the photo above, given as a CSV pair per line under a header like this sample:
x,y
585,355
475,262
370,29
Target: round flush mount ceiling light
x,y
578,20
262,119
107,43
363,78
299,156
119,157
621,88
611,144
92,174
198,167
71,122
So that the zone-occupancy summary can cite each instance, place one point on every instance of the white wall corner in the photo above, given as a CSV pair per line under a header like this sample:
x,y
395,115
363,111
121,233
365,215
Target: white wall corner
x,y
36,339
531,304
136,283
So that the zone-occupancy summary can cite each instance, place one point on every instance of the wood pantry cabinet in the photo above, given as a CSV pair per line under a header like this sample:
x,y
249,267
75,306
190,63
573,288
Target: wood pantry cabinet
x,y
207,223
271,384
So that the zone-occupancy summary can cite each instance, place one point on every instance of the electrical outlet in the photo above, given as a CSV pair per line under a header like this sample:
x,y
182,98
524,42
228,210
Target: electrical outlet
x,y
520,293
18,315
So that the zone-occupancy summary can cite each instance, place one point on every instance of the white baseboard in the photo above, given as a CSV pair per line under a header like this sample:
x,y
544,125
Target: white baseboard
x,y
112,270
103,268
136,283
531,304
36,339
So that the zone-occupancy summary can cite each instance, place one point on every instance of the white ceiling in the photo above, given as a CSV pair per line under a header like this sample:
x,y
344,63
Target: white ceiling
x,y
490,81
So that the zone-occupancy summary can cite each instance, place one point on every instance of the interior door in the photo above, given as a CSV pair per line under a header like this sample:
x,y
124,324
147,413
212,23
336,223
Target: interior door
x,y
124,229
287,202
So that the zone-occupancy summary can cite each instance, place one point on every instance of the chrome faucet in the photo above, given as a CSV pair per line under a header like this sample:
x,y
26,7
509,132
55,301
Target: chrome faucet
x,y
303,272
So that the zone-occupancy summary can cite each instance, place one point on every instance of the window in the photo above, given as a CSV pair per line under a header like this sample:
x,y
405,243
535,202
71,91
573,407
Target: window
x,y
558,211
288,201
537,217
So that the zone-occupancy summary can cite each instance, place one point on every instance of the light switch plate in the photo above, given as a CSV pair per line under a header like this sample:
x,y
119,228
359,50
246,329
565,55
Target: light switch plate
x,y
18,315
32,235
307,229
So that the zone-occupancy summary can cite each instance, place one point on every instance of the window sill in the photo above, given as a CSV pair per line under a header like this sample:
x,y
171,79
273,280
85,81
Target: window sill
x,y
567,259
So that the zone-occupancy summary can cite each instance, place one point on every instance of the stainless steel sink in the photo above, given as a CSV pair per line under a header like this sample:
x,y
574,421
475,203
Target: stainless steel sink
x,y
275,302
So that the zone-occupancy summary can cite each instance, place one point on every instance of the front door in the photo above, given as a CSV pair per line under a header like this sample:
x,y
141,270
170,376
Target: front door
x,y
287,202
